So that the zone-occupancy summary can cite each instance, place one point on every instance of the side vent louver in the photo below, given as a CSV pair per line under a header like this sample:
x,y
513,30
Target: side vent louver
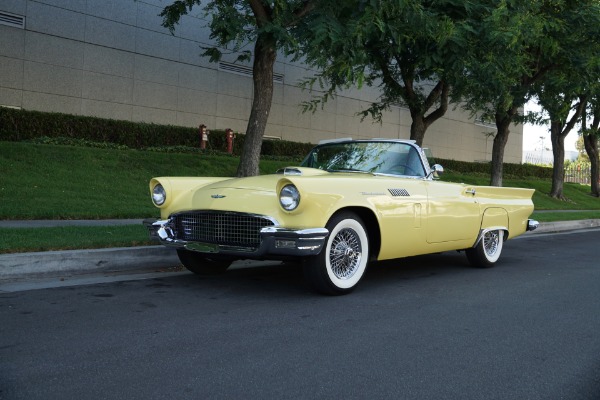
x,y
14,20
244,70
399,192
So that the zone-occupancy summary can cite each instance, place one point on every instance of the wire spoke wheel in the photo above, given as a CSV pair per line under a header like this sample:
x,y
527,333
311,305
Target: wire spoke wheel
x,y
345,254
487,251
491,243
343,260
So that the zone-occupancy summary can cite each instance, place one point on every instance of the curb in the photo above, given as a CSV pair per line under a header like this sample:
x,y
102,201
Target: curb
x,y
78,262
561,226
70,262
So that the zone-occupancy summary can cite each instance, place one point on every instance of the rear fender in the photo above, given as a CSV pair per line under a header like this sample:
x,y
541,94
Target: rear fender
x,y
494,218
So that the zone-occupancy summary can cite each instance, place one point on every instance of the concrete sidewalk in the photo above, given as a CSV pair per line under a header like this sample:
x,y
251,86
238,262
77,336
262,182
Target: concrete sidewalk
x,y
20,266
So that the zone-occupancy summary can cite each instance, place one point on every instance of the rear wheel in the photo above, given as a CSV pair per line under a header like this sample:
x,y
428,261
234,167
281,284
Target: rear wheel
x,y
487,251
202,264
342,263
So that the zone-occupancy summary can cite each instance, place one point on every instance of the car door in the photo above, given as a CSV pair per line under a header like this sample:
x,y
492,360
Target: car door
x,y
453,212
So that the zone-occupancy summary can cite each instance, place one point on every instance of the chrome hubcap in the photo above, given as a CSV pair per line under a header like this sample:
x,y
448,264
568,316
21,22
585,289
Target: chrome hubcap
x,y
490,242
345,254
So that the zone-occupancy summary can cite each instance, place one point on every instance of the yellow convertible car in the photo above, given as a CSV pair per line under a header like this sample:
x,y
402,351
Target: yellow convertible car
x,y
349,202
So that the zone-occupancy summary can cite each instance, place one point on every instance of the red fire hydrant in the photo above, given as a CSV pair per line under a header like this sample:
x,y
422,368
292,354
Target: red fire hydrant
x,y
229,135
203,136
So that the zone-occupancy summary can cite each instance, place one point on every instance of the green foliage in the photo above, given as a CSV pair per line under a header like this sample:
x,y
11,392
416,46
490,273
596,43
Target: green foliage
x,y
400,46
66,129
234,24
483,169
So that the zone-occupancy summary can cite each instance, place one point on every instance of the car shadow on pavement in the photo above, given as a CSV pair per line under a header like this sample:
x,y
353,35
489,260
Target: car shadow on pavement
x,y
288,278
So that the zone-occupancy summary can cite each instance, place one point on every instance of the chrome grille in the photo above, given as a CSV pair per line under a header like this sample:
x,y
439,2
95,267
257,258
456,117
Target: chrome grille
x,y
224,228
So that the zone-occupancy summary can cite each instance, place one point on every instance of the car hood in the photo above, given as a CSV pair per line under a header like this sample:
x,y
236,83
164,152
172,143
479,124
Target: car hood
x,y
263,183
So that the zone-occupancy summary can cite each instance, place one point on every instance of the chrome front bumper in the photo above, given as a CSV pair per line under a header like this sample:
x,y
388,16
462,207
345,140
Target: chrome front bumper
x,y
275,242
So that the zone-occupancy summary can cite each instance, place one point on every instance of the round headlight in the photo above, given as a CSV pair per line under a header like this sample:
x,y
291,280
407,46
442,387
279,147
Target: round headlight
x,y
159,195
289,197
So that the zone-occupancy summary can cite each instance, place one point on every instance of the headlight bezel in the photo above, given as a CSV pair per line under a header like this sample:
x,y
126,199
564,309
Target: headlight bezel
x,y
159,195
289,197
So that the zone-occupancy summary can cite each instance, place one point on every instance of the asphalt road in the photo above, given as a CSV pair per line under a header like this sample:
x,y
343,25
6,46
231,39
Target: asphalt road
x,y
420,328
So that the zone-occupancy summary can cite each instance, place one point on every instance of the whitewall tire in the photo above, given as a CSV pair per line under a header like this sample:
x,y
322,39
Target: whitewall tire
x,y
343,260
488,249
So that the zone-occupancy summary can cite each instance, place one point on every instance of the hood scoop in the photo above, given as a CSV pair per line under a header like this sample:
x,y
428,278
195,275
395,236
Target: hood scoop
x,y
290,171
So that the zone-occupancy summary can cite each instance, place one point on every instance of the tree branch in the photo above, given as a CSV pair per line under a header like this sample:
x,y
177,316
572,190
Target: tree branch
x,y
262,12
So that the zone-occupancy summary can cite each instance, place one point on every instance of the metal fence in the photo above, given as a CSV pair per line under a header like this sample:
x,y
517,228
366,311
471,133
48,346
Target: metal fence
x,y
578,174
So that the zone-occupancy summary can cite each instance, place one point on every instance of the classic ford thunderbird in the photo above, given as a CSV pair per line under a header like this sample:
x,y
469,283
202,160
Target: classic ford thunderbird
x,y
349,202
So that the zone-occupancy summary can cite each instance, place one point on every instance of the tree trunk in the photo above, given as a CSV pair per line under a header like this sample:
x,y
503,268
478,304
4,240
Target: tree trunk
x,y
420,122
417,129
591,148
264,60
558,150
500,140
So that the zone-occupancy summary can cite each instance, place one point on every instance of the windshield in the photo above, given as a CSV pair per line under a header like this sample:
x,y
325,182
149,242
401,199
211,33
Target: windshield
x,y
394,158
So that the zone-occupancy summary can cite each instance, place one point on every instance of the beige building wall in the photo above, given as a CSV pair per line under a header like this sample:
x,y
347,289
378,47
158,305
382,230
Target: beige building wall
x,y
112,59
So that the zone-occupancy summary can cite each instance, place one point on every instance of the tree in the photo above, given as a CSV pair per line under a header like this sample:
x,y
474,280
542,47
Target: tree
x,y
407,48
513,46
564,92
563,117
591,137
233,24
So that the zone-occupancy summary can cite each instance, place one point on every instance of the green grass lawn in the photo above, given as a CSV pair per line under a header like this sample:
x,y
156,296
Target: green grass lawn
x,y
66,182
72,237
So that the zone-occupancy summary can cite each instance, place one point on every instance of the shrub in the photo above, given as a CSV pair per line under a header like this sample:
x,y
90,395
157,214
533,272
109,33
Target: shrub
x,y
22,125
42,127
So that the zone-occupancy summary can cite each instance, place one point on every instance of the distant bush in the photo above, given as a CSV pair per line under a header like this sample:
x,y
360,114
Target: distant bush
x,y
55,128
22,125
510,170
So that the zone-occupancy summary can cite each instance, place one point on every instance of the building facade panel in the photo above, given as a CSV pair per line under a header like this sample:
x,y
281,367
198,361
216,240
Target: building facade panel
x,y
107,88
54,50
106,109
106,60
121,11
113,59
12,73
155,44
190,52
196,101
111,34
52,79
193,77
55,21
153,115
11,97
18,7
50,102
155,95
79,6
12,42
157,70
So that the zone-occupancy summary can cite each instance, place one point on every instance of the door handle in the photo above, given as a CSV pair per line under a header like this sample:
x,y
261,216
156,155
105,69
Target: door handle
x,y
470,191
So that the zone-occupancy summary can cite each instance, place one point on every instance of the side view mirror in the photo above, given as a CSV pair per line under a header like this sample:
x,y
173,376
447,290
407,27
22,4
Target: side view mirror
x,y
436,171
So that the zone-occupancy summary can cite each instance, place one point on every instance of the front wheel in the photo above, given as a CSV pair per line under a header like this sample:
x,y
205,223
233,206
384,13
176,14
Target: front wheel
x,y
342,263
201,264
487,251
